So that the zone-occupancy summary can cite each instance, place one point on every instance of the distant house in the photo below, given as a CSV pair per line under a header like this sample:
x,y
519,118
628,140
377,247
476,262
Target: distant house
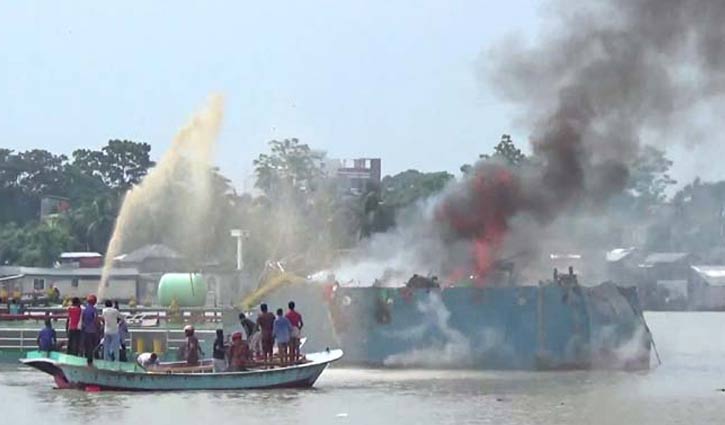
x,y
154,259
622,266
73,282
664,284
80,259
707,288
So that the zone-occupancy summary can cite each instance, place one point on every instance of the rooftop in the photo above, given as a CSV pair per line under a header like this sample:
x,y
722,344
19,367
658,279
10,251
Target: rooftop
x,y
63,272
150,251
665,257
713,275
67,255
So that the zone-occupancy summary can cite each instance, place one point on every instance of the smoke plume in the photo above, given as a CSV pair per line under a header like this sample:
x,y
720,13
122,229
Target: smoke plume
x,y
603,75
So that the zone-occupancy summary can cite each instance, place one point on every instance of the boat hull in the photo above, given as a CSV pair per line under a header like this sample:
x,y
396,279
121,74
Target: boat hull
x,y
548,327
72,372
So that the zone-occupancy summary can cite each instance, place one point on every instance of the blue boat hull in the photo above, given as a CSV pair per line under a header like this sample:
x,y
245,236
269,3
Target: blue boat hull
x,y
526,328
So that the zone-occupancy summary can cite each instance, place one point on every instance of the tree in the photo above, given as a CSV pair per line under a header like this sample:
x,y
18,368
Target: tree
x,y
649,176
34,244
505,151
290,164
120,164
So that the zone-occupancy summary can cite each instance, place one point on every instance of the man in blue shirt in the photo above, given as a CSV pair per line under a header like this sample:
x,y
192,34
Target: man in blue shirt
x,y
46,337
282,331
89,324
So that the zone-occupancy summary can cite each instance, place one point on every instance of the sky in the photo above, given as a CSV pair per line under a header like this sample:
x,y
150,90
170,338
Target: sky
x,y
395,80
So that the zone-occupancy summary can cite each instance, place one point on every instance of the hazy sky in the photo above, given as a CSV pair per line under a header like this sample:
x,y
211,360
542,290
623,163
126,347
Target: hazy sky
x,y
395,80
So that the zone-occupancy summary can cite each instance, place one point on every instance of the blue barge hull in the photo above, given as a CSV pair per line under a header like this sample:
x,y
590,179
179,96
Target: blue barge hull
x,y
547,327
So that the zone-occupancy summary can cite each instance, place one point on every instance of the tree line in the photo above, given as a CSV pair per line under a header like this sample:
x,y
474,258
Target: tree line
x,y
299,213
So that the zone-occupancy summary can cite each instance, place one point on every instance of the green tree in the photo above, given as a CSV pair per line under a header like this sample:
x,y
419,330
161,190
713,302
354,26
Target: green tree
x,y
649,177
120,164
289,165
505,151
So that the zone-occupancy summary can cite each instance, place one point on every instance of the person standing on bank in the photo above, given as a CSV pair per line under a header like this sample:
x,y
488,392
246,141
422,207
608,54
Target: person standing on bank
x,y
295,320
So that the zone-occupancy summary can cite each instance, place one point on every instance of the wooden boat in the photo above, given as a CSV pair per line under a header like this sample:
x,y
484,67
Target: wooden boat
x,y
73,372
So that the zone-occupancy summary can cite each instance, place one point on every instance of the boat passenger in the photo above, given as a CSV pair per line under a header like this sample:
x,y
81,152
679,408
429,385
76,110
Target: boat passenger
x,y
73,327
295,320
111,342
123,336
220,352
89,326
248,326
192,348
282,333
47,340
265,323
148,360
239,353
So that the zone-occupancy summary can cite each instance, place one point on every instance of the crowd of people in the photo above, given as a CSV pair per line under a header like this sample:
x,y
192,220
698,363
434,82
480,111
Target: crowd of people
x,y
255,341
86,328
89,329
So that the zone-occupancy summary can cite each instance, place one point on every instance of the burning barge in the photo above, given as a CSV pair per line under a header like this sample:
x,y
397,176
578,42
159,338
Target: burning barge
x,y
556,325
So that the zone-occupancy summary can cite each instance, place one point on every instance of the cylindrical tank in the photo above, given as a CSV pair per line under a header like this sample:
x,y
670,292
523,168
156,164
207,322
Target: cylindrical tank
x,y
189,289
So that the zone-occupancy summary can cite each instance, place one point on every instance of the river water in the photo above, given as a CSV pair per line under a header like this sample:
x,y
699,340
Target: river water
x,y
685,389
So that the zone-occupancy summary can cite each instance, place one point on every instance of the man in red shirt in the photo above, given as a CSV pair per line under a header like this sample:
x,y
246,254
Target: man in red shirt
x,y
296,320
265,323
73,328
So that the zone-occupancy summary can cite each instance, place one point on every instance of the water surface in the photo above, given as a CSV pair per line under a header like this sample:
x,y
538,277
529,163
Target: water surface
x,y
684,390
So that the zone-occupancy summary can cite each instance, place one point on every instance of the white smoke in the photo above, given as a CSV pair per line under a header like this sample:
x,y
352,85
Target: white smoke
x,y
453,351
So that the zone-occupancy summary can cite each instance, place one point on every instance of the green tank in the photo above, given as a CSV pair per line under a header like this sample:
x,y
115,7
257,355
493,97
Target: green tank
x,y
189,289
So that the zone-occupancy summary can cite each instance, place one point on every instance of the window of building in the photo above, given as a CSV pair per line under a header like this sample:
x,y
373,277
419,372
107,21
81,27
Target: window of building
x,y
38,284
74,282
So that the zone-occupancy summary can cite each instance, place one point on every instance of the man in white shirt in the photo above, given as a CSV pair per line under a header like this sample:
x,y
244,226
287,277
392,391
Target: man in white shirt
x,y
111,341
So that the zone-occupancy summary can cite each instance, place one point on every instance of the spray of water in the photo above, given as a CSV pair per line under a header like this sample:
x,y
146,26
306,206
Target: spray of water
x,y
191,154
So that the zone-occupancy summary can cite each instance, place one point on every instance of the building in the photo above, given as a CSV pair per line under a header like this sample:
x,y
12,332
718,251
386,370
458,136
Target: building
x,y
355,176
155,258
73,282
51,206
80,259
707,288
664,284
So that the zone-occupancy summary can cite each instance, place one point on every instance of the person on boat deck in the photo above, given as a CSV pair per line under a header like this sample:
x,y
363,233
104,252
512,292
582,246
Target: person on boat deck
x,y
219,354
123,335
265,323
147,360
239,353
73,327
295,320
282,333
192,348
248,326
47,340
111,341
89,326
